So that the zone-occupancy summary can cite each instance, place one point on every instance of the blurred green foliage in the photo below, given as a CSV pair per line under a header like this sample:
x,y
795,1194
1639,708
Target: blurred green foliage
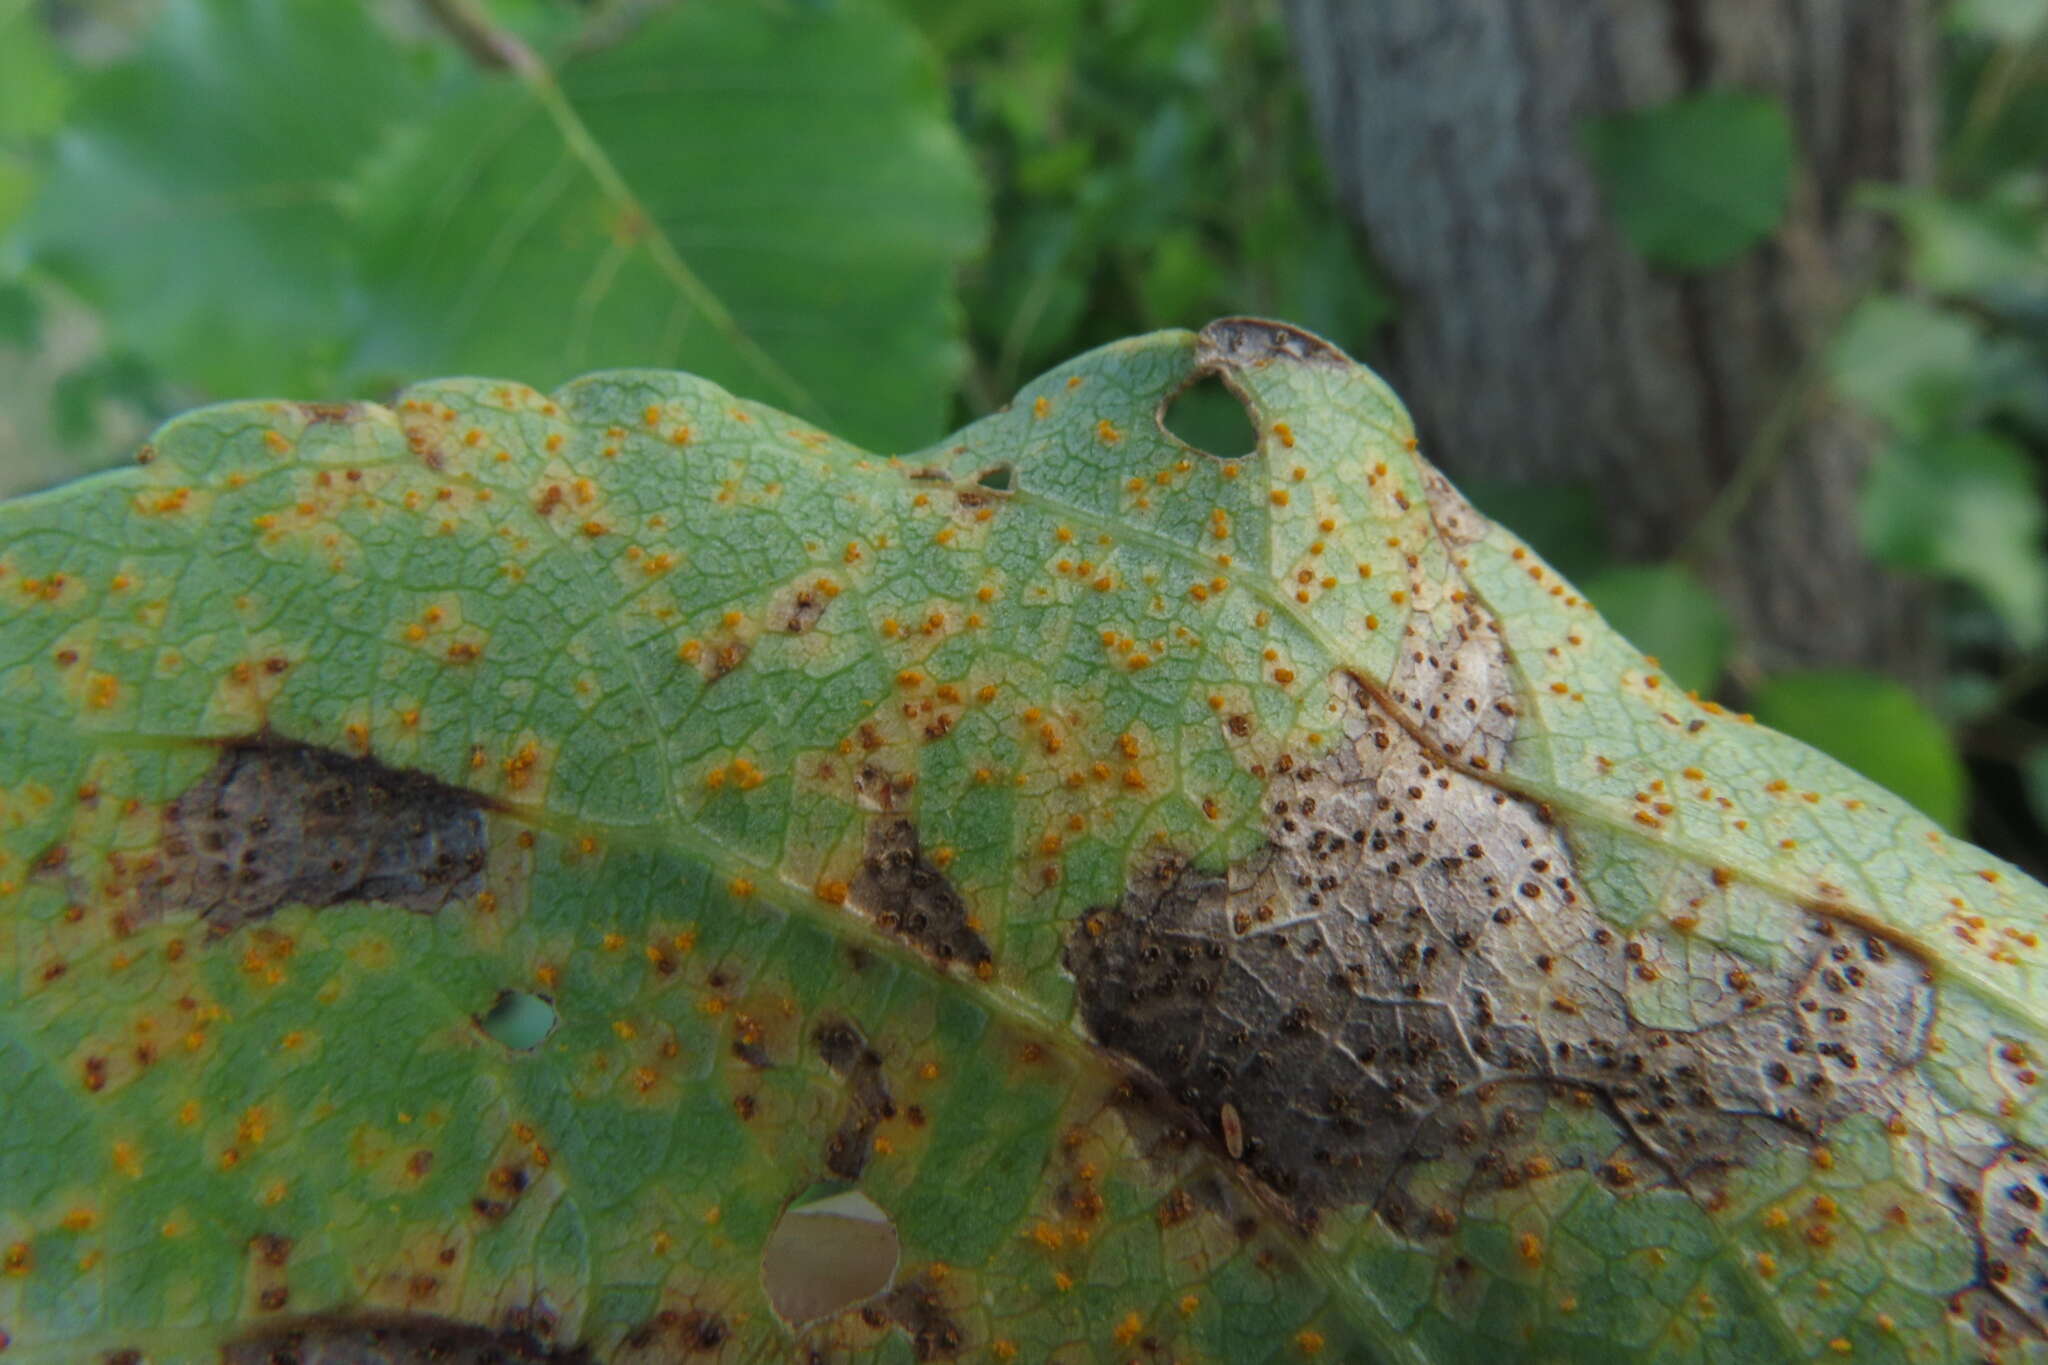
x,y
1696,182
885,214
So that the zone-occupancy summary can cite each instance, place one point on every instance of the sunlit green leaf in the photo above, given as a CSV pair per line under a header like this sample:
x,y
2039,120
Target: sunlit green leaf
x,y
742,189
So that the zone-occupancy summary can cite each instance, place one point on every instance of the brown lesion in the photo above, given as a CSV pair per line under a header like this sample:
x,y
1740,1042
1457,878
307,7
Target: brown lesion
x,y
1410,974
2006,1204
906,895
845,1049
1246,343
276,822
674,1334
918,1307
395,1339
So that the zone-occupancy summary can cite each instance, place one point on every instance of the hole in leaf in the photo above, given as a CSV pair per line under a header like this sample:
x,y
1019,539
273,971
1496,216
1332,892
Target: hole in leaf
x,y
1212,419
519,1020
827,1254
997,477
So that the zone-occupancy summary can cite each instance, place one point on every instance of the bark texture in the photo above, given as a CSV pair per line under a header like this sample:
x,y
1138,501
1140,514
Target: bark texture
x,y
1535,345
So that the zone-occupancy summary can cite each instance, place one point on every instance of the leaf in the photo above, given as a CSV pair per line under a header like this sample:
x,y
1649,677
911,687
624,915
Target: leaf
x,y
1964,507
741,189
2005,21
1992,250
1924,369
1124,901
158,206
1560,521
1877,727
1697,181
33,88
1671,616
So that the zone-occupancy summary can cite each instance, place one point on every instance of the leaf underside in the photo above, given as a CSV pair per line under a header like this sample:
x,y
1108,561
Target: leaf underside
x,y
1213,909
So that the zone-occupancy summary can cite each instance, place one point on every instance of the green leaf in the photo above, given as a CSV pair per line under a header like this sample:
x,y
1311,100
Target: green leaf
x,y
1671,616
2005,21
1965,507
158,206
34,84
1562,522
1924,369
741,189
1055,895
1698,181
1877,727
1992,250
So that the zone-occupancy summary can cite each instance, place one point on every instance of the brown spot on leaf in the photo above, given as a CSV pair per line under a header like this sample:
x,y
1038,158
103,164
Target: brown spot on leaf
x,y
1244,343
274,823
868,1101
393,1339
905,895
1378,990
674,1334
918,1308
328,412
801,609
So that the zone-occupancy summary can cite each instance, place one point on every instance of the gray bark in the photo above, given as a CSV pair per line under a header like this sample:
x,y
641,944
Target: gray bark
x,y
1535,345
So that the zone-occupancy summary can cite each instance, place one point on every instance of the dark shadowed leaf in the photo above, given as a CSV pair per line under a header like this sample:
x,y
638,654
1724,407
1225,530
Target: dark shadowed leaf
x,y
1696,182
1670,615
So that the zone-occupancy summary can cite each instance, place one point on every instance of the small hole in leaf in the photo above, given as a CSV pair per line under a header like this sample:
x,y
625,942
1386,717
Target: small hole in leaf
x,y
997,477
1212,419
830,1250
519,1020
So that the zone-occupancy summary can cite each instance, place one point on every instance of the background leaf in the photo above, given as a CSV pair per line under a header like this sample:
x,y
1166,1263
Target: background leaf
x,y
1875,726
1668,614
1698,181
1964,507
724,189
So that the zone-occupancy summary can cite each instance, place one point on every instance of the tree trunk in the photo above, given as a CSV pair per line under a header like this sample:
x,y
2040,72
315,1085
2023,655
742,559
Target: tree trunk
x,y
1535,345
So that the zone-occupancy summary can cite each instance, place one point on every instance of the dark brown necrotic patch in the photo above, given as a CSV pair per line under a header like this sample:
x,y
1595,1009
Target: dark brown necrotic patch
x,y
1410,974
845,1049
394,1339
1241,343
2009,1202
674,1334
906,896
920,1310
275,823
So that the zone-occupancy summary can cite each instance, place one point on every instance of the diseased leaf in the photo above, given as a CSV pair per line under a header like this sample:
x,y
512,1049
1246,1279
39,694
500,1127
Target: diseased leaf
x,y
1122,902
1695,182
